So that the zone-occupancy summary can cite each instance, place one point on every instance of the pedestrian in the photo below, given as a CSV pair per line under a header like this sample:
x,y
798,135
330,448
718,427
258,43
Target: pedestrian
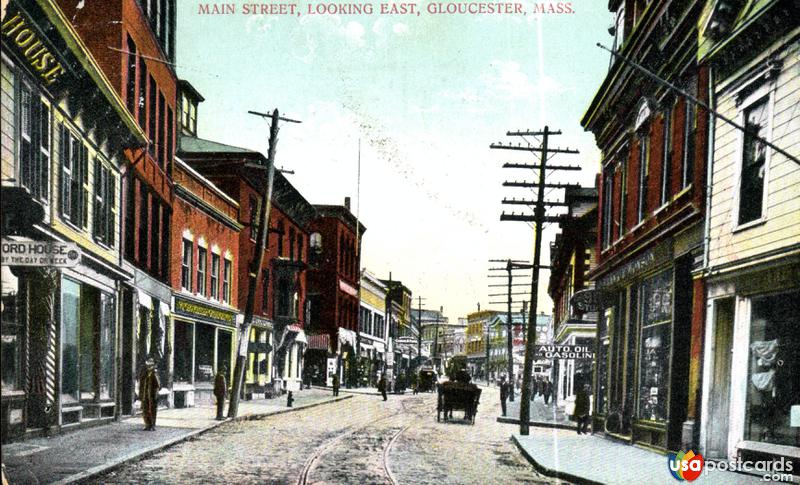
x,y
534,388
148,394
582,409
548,391
504,392
382,386
220,390
336,384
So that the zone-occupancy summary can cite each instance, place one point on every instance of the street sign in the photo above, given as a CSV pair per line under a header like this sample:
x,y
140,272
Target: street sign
x,y
40,253
565,351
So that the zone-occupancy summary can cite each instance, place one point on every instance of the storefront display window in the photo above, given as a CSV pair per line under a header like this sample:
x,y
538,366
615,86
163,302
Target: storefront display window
x,y
183,351
87,357
654,347
11,332
108,326
70,316
774,363
204,353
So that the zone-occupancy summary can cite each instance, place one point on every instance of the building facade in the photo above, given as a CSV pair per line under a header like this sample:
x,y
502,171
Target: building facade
x,y
477,343
654,146
752,259
66,133
373,331
572,257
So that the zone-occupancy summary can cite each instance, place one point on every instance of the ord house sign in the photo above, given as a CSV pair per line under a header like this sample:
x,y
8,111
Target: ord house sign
x,y
202,311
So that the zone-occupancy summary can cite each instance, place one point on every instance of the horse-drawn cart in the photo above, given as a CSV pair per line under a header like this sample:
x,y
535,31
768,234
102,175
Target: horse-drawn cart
x,y
458,396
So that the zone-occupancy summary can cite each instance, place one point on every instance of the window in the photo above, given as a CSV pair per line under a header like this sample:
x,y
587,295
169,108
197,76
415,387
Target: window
x,y
254,220
655,347
773,366
13,332
74,178
623,196
34,143
689,134
608,197
265,291
155,235
644,149
193,117
300,247
152,132
186,265
202,260
184,111
226,280
281,234
666,165
142,93
130,218
215,276
161,134
169,141
130,90
103,226
754,157
165,239
291,243
144,212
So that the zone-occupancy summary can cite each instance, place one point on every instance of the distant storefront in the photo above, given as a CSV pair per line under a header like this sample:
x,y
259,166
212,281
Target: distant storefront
x,y
205,337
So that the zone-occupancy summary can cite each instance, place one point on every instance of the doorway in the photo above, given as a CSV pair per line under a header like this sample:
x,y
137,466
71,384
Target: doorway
x,y
719,397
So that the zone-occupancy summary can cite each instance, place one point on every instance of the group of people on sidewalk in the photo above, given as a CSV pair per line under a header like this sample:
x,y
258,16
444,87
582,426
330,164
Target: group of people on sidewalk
x,y
382,386
545,388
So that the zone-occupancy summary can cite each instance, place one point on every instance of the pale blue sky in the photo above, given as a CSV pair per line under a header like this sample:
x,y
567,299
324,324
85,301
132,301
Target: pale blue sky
x,y
426,95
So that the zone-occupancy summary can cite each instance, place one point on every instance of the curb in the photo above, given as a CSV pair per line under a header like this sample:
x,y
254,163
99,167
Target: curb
x,y
550,472
536,424
141,454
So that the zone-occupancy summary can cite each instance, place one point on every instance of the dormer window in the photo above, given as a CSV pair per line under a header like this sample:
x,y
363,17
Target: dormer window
x,y
190,98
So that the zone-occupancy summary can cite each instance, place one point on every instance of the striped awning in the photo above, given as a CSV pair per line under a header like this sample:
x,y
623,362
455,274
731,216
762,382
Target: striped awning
x,y
319,342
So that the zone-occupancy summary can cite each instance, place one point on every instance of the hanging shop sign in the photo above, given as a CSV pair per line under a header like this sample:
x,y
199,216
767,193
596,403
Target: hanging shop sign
x,y
565,351
642,263
40,253
584,301
19,32
201,311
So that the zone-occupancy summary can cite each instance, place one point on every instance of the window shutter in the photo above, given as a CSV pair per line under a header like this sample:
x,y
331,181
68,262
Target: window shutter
x,y
84,182
111,203
97,210
64,183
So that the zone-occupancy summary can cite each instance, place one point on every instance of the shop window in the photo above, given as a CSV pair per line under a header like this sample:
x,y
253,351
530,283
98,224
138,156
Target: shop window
x,y
107,341
224,343
655,346
754,157
70,318
183,351
226,281
215,276
12,332
74,178
202,260
204,353
104,204
34,143
773,367
186,265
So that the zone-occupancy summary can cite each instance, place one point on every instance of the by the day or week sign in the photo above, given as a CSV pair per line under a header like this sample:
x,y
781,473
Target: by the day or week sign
x,y
40,253
565,351
18,31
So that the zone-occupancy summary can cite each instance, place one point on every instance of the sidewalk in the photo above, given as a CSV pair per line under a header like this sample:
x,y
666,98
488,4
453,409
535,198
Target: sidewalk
x,y
592,459
541,414
75,456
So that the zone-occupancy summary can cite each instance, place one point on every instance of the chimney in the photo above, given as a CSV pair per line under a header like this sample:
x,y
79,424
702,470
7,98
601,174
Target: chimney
x,y
347,202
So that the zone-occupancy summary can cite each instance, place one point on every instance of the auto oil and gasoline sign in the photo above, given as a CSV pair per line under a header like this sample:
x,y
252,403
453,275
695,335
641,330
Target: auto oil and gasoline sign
x,y
565,351
40,253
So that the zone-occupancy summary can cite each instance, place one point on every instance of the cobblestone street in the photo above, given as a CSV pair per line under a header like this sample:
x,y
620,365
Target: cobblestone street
x,y
361,440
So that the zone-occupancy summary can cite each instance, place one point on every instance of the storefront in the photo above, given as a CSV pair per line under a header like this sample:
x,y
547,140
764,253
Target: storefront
x,y
258,380
205,339
751,364
642,353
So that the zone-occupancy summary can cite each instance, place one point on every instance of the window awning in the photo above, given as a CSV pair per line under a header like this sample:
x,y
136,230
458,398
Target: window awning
x,y
319,342
347,337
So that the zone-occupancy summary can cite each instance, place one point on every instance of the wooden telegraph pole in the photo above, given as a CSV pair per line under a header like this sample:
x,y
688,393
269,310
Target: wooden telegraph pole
x,y
539,219
254,270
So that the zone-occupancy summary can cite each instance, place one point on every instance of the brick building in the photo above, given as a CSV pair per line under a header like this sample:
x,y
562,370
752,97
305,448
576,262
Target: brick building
x,y
277,337
205,254
333,286
654,147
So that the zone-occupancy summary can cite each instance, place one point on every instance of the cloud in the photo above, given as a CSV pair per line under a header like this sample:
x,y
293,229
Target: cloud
x,y
353,32
400,28
506,81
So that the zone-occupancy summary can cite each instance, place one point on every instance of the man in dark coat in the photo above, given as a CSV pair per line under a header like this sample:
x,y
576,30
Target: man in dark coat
x,y
582,409
148,394
220,390
336,384
504,392
382,386
548,391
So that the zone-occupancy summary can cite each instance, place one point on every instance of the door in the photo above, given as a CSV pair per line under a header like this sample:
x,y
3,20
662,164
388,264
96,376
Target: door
x,y
718,409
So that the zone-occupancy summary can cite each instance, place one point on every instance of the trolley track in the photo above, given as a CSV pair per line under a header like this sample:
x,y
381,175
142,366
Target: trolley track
x,y
313,462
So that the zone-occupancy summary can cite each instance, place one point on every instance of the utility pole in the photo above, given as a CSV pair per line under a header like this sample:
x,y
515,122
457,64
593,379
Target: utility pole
x,y
539,219
419,331
254,270
436,338
510,266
